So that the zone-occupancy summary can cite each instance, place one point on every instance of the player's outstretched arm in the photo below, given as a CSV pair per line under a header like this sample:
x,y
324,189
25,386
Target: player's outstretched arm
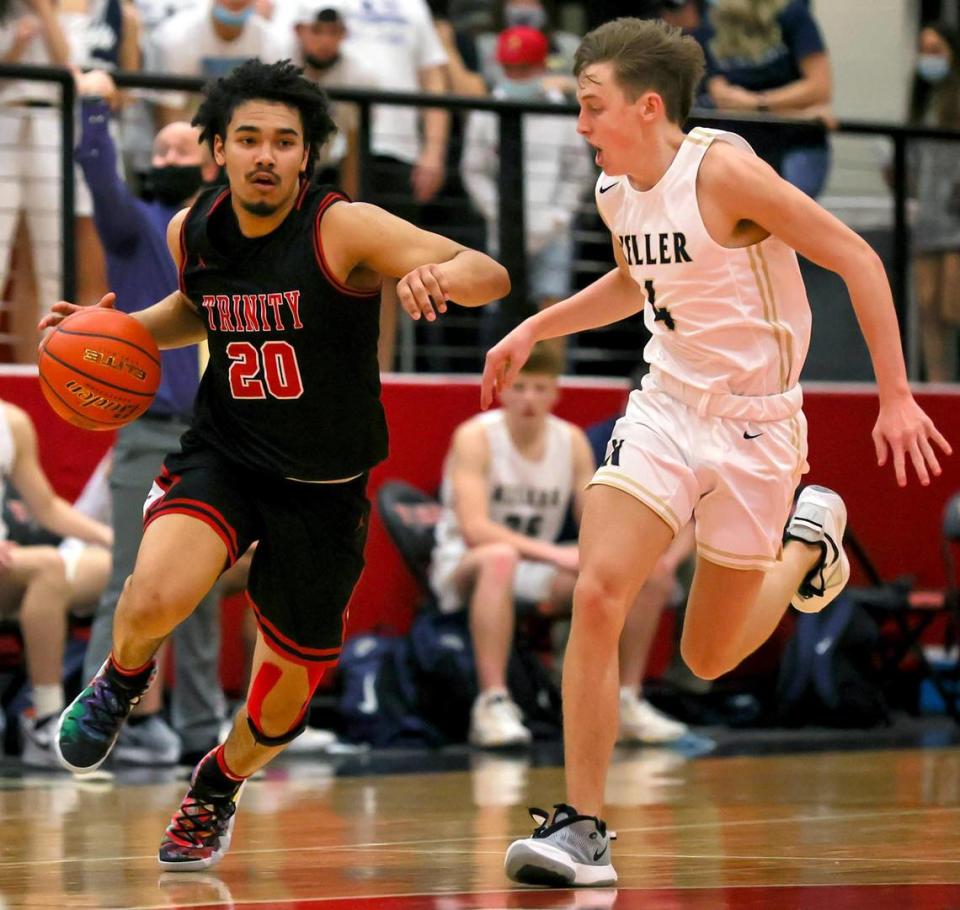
x,y
609,299
432,269
746,188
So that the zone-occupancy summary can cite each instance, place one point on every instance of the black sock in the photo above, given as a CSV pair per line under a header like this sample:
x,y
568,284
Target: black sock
x,y
211,781
135,681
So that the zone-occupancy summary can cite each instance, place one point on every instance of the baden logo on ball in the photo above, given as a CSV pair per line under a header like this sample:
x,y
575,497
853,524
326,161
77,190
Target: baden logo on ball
x,y
99,369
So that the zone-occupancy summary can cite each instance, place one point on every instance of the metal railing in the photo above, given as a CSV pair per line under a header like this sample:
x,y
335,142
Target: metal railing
x,y
511,171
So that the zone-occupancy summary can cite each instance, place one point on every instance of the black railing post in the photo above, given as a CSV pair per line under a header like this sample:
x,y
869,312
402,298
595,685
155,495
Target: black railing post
x,y
365,154
901,238
68,267
512,220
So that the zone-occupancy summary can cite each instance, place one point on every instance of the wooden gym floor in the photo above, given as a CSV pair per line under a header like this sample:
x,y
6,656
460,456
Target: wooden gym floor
x,y
855,829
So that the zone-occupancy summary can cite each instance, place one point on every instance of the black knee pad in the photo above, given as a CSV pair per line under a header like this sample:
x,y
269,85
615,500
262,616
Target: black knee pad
x,y
280,740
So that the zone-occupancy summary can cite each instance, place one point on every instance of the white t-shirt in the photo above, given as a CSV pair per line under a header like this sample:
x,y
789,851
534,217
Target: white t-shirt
x,y
350,71
727,321
399,38
187,44
76,27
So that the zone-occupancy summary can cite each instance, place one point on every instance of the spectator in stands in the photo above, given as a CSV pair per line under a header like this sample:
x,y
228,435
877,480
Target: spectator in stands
x,y
561,45
320,32
509,478
408,165
141,271
38,584
769,56
936,232
209,40
556,165
41,32
685,14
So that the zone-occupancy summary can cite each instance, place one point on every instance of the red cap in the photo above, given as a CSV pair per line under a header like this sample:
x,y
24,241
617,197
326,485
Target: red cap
x,y
522,46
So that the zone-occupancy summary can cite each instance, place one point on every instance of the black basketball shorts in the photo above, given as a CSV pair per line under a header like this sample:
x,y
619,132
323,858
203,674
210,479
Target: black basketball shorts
x,y
310,539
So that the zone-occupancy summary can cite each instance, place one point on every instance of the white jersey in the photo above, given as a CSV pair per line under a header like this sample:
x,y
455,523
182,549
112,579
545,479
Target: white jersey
x,y
530,497
725,321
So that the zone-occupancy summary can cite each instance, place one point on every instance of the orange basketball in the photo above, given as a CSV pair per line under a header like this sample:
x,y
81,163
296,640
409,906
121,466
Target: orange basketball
x,y
99,369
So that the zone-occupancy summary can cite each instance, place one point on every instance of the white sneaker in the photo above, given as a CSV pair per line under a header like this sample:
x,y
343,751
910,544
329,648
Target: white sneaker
x,y
641,722
37,734
495,722
820,518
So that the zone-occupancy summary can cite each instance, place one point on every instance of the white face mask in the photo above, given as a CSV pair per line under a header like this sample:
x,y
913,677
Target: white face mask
x,y
932,67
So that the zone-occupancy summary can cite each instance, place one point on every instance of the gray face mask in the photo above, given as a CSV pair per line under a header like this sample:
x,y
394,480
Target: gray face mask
x,y
531,16
932,67
520,89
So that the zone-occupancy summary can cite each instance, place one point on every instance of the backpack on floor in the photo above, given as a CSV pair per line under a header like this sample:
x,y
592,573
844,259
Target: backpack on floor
x,y
446,678
378,700
827,675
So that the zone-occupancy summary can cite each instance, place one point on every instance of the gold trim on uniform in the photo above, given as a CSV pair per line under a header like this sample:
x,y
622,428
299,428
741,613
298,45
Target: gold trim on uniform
x,y
638,491
738,556
765,565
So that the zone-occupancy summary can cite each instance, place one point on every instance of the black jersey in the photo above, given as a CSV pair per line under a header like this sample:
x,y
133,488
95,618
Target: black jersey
x,y
293,385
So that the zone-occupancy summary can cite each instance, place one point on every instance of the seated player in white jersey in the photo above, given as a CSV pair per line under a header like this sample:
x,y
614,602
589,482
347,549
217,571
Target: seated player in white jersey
x,y
508,481
704,235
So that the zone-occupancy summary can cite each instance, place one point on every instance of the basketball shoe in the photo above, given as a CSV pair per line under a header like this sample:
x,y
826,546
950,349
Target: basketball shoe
x,y
641,722
90,724
36,734
495,722
820,518
571,849
200,831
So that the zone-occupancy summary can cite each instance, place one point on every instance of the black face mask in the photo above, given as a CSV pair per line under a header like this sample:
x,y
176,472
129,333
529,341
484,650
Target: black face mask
x,y
318,63
173,183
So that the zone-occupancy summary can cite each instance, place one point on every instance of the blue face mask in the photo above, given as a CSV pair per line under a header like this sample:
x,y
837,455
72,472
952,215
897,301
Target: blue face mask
x,y
228,17
531,16
932,67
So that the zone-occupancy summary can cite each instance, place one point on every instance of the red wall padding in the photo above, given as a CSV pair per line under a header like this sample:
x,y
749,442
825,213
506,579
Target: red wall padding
x,y
899,528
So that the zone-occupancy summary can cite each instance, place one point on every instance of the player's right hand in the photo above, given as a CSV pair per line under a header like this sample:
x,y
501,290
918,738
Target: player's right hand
x,y
503,363
62,308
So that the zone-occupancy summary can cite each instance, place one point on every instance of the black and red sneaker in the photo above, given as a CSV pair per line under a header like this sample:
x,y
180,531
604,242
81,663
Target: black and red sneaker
x,y
199,833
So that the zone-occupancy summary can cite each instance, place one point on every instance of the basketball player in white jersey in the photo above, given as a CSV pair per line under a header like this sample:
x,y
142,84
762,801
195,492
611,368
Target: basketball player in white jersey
x,y
508,480
704,234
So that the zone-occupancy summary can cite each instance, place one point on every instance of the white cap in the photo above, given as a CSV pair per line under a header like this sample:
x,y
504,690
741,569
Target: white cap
x,y
310,11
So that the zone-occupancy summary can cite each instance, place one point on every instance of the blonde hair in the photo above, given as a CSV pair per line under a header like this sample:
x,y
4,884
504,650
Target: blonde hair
x,y
746,30
647,55
544,361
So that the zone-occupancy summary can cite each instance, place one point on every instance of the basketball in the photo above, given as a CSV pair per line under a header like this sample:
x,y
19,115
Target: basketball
x,y
99,369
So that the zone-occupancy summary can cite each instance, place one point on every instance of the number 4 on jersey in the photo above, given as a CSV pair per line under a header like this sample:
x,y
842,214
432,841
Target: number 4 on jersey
x,y
660,314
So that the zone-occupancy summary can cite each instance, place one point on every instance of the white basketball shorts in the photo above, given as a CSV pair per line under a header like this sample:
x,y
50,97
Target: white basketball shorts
x,y
735,476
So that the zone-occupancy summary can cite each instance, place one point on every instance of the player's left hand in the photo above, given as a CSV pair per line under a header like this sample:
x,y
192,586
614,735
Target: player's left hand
x,y
503,363
423,292
903,428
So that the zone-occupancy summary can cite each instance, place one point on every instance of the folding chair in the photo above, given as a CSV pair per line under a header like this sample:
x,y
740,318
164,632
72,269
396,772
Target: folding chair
x,y
410,517
911,611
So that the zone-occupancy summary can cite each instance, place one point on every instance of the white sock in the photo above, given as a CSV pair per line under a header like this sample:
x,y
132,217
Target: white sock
x,y
48,700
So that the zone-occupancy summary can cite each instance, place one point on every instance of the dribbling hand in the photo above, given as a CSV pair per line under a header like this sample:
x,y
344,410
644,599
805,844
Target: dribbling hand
x,y
62,308
423,292
503,363
903,428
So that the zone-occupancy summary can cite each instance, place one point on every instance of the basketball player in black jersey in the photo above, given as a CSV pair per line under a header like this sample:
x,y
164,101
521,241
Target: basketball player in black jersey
x,y
282,279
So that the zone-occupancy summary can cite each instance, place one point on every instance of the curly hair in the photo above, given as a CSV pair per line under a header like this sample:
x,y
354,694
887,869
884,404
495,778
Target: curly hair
x,y
282,82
